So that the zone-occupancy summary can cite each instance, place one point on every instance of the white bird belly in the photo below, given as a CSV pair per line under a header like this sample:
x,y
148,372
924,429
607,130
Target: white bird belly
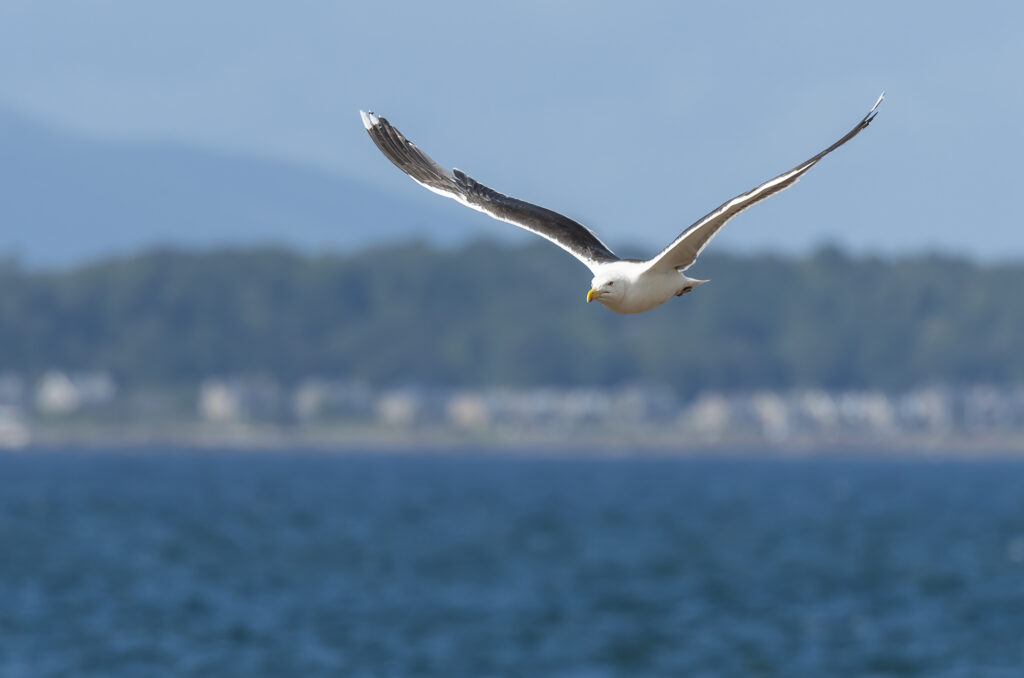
x,y
648,291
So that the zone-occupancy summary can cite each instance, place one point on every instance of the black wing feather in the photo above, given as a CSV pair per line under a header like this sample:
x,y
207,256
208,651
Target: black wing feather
x,y
570,235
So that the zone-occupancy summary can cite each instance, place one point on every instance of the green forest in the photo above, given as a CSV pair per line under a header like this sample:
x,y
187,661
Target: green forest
x,y
489,314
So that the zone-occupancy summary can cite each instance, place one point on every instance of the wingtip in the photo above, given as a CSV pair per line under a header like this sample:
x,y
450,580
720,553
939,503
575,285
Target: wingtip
x,y
369,119
874,110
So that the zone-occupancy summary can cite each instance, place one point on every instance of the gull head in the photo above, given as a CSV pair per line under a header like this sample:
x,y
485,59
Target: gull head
x,y
606,289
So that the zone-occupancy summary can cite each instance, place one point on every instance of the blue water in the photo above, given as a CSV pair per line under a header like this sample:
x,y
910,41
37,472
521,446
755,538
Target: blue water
x,y
164,564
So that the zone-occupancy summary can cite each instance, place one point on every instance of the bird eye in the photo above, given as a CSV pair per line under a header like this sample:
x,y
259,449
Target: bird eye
x,y
610,283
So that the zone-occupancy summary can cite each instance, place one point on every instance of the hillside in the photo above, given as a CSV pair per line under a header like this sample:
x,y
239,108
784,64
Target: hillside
x,y
489,314
65,199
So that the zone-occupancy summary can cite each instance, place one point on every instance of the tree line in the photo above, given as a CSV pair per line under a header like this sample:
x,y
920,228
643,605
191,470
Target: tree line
x,y
489,314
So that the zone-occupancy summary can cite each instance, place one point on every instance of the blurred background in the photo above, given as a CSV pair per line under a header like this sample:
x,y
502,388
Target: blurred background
x,y
200,249
199,240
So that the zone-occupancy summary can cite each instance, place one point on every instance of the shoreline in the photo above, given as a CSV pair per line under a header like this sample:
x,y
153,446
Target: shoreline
x,y
427,441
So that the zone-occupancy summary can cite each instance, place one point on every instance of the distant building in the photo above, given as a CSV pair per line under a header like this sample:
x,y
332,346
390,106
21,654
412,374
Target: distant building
x,y
468,411
773,413
927,409
219,402
867,411
57,395
326,399
399,408
710,416
816,411
241,399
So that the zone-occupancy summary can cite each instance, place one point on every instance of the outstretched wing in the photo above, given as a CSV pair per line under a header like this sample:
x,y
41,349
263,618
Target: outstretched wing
x,y
684,250
571,236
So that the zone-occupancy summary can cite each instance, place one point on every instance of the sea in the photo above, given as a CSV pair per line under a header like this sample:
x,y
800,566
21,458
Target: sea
x,y
304,563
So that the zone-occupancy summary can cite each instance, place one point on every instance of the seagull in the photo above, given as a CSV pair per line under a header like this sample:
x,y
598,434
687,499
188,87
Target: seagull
x,y
621,285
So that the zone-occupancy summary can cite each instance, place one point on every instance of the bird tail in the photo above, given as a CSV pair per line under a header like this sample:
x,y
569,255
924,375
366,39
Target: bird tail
x,y
689,283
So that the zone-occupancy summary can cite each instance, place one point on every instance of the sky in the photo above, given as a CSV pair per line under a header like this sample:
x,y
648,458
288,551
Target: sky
x,y
635,118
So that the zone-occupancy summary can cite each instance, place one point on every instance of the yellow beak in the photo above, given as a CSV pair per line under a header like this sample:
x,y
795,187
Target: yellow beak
x,y
593,294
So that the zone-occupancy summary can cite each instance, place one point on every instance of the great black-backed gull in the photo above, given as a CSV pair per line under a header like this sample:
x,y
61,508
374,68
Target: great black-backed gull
x,y
622,285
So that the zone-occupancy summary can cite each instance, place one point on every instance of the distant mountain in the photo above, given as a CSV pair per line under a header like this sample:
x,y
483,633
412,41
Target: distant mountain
x,y
65,199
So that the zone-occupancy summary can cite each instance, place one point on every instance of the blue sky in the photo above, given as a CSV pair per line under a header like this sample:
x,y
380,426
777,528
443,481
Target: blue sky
x,y
636,118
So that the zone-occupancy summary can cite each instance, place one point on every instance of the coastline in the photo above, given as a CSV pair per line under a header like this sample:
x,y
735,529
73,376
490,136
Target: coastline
x,y
602,443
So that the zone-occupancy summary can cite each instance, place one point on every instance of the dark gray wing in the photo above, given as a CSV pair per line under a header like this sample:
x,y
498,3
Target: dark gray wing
x,y
685,249
571,236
